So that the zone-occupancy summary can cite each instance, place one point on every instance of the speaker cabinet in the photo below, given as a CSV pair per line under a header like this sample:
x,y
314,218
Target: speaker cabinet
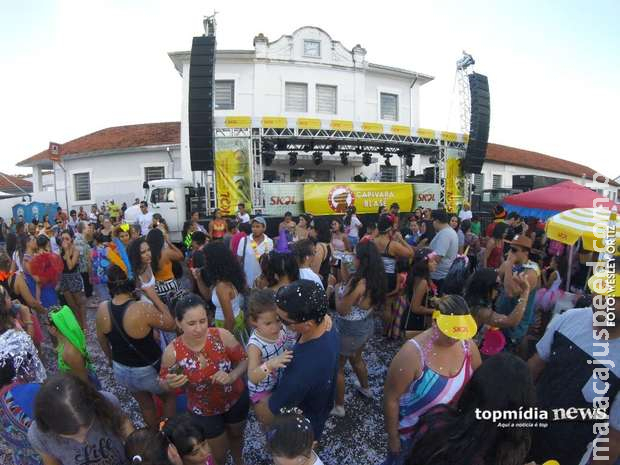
x,y
479,123
201,103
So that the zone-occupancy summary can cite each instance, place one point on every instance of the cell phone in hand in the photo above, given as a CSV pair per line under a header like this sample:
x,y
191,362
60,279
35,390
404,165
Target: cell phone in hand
x,y
175,369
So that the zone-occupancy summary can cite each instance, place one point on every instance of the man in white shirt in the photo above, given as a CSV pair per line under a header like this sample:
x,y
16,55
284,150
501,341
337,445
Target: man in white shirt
x,y
304,252
144,218
465,213
242,215
253,247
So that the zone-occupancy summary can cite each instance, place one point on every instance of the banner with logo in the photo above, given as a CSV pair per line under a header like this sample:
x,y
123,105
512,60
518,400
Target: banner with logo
x,y
232,173
332,198
455,189
282,198
426,195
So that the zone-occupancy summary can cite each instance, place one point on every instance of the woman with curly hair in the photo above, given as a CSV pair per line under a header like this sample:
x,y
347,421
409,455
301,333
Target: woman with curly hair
x,y
74,423
228,279
502,383
363,292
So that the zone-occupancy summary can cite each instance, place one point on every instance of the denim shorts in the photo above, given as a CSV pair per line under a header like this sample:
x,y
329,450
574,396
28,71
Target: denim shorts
x,y
138,379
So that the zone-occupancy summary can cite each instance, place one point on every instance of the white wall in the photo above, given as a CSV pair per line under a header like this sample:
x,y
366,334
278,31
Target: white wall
x,y
117,176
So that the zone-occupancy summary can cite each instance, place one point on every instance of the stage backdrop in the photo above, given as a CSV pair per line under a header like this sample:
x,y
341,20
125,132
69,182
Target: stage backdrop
x,y
232,173
330,198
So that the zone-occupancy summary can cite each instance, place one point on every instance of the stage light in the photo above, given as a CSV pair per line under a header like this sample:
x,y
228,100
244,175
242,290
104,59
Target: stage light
x,y
268,152
344,158
387,160
317,158
382,151
366,159
409,158
358,150
333,148
308,148
292,158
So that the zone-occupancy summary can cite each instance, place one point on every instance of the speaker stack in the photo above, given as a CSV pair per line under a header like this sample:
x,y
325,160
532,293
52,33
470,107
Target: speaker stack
x,y
479,123
201,90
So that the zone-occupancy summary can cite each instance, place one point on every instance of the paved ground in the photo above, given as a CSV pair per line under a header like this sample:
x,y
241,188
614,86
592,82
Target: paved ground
x,y
357,439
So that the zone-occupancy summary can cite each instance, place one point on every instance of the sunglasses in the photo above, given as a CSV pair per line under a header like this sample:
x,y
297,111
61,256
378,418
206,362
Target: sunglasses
x,y
288,322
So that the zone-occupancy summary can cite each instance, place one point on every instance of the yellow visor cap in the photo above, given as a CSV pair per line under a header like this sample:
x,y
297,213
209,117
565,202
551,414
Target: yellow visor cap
x,y
456,326
601,284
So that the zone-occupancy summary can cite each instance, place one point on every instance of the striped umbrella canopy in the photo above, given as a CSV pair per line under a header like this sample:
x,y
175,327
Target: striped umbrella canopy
x,y
595,226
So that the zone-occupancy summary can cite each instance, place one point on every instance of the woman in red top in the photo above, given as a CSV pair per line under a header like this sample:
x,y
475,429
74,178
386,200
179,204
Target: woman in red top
x,y
494,252
217,227
209,364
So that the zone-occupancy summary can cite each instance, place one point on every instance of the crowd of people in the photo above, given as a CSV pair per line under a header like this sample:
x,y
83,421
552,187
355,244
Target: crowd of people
x,y
234,320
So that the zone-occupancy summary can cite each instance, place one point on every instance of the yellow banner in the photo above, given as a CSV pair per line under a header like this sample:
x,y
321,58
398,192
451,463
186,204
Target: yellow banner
x,y
342,125
333,198
454,184
372,127
401,130
449,136
274,122
238,121
308,123
232,174
426,133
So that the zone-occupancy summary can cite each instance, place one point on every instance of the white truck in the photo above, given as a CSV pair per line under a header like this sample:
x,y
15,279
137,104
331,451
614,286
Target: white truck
x,y
174,199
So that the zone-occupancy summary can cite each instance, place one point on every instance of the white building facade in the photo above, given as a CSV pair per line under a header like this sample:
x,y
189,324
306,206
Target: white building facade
x,y
307,75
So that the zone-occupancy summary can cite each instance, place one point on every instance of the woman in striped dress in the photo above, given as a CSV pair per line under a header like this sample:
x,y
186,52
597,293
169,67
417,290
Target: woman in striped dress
x,y
429,370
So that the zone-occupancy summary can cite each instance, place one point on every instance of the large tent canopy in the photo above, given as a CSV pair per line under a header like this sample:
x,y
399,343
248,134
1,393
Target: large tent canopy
x,y
548,201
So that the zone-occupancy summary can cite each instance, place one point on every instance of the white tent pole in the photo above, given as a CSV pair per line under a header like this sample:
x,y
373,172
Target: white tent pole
x,y
570,267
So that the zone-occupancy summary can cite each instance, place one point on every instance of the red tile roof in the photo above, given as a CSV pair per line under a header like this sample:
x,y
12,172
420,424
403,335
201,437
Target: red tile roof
x,y
519,157
120,137
141,135
7,183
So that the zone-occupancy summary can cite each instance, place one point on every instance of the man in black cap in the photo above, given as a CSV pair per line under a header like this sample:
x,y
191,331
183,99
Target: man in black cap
x,y
309,381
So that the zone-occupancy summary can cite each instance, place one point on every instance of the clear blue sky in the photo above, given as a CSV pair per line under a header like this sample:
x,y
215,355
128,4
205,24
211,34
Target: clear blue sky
x,y
71,67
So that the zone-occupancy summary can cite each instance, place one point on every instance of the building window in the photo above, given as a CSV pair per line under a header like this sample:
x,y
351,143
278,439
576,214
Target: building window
x,y
224,95
326,99
497,181
479,183
389,107
81,186
153,173
312,48
388,173
296,97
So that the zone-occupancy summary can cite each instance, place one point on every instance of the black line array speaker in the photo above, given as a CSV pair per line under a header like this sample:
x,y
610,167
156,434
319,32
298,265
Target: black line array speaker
x,y
201,90
479,123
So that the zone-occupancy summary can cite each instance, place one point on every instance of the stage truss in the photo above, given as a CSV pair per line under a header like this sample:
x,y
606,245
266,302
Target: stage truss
x,y
299,139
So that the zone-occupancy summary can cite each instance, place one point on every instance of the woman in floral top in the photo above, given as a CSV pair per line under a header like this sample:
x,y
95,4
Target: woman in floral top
x,y
209,364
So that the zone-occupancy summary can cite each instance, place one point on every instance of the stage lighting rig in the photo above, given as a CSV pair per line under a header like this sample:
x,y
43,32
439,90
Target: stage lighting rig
x,y
292,158
268,151
367,159
317,158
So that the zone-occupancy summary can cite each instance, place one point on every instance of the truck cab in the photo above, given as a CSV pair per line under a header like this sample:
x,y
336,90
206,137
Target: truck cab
x,y
174,199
